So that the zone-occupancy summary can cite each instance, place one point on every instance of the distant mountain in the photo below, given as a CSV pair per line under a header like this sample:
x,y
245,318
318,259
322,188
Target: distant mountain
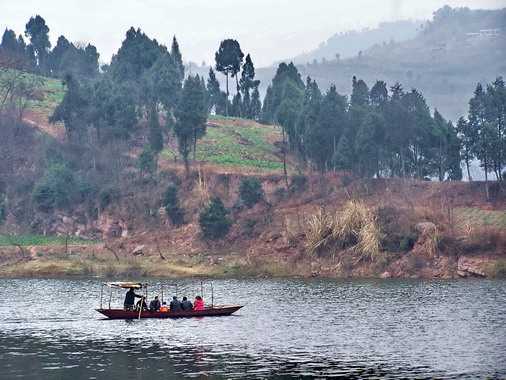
x,y
445,60
348,44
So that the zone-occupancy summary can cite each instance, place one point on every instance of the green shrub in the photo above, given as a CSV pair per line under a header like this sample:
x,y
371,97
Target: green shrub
x,y
108,194
249,227
3,209
171,204
279,193
214,221
60,186
251,191
146,161
298,182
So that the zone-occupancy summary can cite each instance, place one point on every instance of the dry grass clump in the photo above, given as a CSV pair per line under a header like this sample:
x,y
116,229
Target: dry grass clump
x,y
198,199
293,231
481,239
369,242
355,225
319,232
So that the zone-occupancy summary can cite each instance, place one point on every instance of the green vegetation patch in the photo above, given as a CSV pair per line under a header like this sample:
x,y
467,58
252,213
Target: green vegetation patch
x,y
36,240
51,92
237,143
482,217
45,93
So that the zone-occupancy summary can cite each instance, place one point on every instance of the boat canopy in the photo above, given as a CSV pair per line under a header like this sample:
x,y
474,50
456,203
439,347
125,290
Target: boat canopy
x,y
119,284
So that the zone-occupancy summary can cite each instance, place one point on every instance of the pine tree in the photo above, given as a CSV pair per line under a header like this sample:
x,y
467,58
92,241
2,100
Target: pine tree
x,y
171,204
155,131
177,58
342,156
255,107
360,93
214,221
379,94
251,191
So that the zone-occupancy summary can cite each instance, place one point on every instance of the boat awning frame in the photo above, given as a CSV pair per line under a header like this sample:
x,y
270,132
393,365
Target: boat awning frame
x,y
126,285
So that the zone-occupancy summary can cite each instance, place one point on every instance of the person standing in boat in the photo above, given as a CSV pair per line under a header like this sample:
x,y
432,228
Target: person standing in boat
x,y
130,299
186,305
155,304
198,304
175,305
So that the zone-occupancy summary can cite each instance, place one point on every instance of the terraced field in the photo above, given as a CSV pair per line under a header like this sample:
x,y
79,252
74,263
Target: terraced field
x,y
238,144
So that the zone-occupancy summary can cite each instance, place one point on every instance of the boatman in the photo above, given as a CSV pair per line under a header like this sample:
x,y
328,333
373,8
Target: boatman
x,y
130,300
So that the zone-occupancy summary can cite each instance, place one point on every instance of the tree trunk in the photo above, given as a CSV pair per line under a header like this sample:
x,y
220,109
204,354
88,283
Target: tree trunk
x,y
402,165
284,157
226,104
468,171
195,146
486,180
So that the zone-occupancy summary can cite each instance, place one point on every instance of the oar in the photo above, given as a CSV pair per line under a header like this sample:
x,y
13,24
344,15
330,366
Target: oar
x,y
140,308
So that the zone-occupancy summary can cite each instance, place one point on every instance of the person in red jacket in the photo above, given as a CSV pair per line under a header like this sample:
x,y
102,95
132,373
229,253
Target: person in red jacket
x,y
198,304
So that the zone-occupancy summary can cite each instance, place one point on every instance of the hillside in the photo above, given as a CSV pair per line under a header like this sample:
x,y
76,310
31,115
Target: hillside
x,y
404,228
347,45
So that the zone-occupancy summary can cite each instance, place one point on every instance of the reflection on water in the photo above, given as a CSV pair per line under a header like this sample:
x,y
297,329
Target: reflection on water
x,y
289,328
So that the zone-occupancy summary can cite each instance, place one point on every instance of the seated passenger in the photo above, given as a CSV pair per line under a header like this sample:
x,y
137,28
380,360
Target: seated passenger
x,y
198,304
155,304
164,307
186,305
175,305
141,304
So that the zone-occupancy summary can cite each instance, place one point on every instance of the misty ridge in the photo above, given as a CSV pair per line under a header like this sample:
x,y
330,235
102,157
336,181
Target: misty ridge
x,y
438,57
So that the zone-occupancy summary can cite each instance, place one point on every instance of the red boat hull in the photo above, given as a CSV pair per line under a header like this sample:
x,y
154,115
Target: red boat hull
x,y
209,312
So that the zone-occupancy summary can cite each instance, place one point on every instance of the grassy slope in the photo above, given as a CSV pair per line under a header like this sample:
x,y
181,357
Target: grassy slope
x,y
235,144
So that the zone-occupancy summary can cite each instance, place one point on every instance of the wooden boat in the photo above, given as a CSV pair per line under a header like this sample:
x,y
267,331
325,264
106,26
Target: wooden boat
x,y
214,311
111,313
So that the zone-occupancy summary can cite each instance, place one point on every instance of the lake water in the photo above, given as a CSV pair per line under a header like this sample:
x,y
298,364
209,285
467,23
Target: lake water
x,y
288,328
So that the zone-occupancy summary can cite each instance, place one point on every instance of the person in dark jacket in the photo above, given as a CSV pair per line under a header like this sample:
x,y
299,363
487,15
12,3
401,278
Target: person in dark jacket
x,y
155,304
141,304
186,305
174,304
130,299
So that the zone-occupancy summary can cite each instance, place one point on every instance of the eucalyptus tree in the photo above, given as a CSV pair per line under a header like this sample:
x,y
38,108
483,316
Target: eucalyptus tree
x,y
478,122
246,84
468,138
320,139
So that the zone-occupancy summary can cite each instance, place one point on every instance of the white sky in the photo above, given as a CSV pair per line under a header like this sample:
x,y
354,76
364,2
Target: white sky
x,y
269,30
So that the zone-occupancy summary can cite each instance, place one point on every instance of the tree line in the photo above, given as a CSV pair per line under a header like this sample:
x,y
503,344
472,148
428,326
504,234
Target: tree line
x,y
385,132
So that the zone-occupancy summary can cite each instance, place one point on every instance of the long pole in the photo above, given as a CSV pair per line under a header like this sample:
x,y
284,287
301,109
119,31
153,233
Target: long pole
x,y
141,303
101,293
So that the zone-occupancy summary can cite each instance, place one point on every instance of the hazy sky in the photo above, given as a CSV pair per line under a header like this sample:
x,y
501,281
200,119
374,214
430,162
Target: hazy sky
x,y
269,30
